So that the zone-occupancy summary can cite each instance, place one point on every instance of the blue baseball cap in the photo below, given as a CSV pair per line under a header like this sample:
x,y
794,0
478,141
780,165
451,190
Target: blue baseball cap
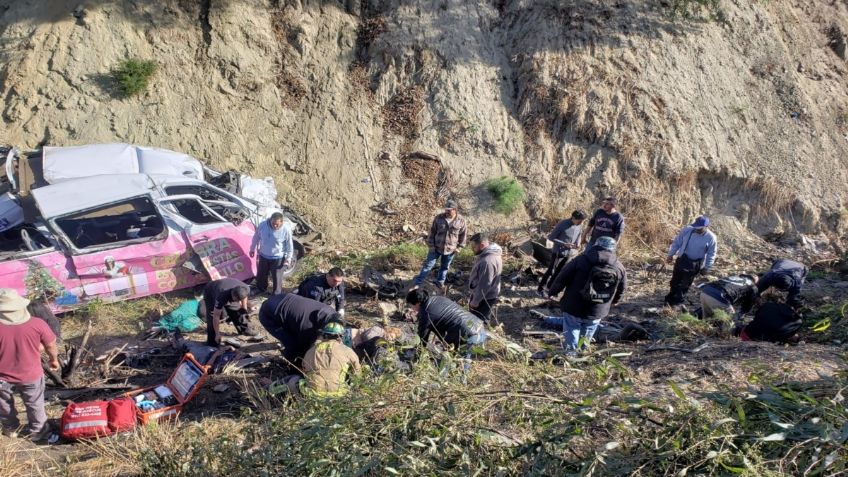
x,y
700,222
606,243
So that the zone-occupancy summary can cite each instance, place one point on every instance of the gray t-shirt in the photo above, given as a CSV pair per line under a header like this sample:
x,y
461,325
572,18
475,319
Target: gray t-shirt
x,y
567,232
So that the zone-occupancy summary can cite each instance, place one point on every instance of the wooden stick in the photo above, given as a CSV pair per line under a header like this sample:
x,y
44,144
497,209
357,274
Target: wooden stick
x,y
76,355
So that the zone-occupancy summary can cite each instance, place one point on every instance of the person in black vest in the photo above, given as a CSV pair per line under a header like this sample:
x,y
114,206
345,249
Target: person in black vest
x,y
447,320
592,282
693,252
229,296
296,322
327,288
788,276
728,294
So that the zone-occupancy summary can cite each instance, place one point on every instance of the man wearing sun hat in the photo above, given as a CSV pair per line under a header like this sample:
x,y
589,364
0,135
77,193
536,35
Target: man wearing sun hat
x,y
693,251
21,342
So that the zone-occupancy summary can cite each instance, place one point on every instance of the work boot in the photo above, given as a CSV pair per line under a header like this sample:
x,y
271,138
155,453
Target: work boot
x,y
41,435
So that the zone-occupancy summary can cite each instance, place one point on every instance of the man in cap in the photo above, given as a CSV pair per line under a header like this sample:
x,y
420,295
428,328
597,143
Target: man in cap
x,y
593,282
605,222
276,252
229,296
447,235
788,276
21,342
693,251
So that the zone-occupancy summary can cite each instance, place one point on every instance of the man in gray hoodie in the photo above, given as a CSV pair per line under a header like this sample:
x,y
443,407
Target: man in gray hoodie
x,y
485,280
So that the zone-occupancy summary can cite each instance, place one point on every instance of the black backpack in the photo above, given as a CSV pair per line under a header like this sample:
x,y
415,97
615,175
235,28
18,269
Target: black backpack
x,y
601,284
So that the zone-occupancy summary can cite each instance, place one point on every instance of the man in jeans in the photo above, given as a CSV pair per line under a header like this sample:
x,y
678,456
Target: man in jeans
x,y
276,249
592,282
447,235
693,251
21,341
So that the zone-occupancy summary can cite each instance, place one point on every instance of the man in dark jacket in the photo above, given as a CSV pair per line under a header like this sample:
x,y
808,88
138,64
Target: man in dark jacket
x,y
593,282
327,288
484,282
605,222
295,321
447,320
566,239
727,294
229,296
446,237
788,276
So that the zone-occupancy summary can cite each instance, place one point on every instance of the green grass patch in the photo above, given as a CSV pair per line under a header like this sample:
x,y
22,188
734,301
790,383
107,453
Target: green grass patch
x,y
132,76
507,192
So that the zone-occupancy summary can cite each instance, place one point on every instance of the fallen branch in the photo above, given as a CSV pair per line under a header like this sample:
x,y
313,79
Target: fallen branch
x,y
696,349
76,355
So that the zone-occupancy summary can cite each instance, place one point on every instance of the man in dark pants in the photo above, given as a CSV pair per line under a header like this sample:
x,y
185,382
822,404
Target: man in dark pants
x,y
276,251
566,239
296,322
605,222
693,251
484,282
327,288
785,275
229,296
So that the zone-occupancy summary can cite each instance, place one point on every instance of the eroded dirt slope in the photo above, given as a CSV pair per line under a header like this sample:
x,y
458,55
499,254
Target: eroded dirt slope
x,y
743,117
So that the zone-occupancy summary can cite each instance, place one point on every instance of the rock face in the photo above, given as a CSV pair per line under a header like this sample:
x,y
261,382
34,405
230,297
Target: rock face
x,y
743,116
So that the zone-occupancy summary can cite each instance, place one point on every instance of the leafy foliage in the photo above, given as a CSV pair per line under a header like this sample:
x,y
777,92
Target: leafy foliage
x,y
133,75
507,192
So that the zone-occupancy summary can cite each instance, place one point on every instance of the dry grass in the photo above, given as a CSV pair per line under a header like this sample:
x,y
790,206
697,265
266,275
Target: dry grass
x,y
773,197
292,86
18,458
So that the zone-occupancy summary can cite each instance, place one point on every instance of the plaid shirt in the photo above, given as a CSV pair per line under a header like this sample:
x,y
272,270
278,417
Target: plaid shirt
x,y
447,237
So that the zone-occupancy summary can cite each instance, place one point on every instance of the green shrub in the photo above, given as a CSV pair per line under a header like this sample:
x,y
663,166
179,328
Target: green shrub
x,y
133,75
507,192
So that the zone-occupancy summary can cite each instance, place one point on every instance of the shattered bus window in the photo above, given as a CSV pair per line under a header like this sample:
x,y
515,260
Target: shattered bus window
x,y
129,220
22,238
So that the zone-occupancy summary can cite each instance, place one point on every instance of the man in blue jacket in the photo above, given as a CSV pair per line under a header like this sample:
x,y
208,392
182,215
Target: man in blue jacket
x,y
276,252
693,251
785,275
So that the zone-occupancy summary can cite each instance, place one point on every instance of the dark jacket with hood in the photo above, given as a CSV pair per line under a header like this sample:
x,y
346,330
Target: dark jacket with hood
x,y
574,276
785,275
300,317
449,321
485,279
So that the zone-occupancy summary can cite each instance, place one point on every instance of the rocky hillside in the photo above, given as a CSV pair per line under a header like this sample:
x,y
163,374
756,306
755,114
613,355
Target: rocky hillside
x,y
739,110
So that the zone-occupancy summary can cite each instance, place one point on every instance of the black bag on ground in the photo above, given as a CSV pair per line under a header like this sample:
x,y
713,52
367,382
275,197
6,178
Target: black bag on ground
x,y
775,322
601,284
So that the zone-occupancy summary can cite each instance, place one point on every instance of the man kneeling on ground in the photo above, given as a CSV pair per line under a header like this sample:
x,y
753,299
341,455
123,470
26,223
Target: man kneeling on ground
x,y
227,295
447,320
727,294
592,282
